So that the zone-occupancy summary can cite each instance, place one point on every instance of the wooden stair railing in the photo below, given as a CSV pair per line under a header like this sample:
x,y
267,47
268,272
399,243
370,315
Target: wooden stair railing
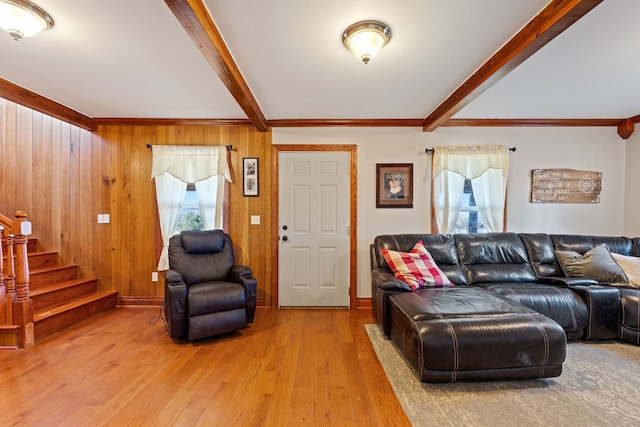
x,y
16,311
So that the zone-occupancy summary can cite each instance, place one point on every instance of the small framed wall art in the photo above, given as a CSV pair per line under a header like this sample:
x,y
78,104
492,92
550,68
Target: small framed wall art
x,y
394,185
250,182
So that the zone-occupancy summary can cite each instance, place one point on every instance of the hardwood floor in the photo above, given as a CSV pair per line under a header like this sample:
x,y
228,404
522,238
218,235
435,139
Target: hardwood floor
x,y
291,367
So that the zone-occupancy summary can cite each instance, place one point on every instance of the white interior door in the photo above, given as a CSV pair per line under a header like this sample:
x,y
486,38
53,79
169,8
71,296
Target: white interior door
x,y
313,254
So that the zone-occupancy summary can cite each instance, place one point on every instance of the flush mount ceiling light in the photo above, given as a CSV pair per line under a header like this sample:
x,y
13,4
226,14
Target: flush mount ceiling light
x,y
366,38
21,18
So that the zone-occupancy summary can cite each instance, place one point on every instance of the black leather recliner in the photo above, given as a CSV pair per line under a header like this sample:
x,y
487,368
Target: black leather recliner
x,y
206,294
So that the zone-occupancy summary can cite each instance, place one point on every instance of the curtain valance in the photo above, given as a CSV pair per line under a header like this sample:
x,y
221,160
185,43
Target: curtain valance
x,y
471,161
190,163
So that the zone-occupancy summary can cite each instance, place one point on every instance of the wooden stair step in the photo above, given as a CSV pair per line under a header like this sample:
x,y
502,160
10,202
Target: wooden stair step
x,y
56,318
58,273
37,260
42,259
55,293
32,245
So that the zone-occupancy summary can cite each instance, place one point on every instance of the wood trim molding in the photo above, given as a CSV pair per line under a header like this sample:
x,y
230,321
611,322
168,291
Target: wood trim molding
x,y
556,17
366,303
346,122
530,122
25,97
140,301
131,121
353,237
198,23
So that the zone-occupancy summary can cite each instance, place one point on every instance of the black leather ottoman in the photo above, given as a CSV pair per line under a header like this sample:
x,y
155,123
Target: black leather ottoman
x,y
468,333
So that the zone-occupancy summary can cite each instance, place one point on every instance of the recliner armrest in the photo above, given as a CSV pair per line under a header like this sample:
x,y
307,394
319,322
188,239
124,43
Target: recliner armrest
x,y
244,275
240,271
173,276
175,300
384,279
567,281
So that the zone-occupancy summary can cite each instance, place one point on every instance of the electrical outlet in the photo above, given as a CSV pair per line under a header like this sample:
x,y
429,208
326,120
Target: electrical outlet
x,y
154,276
255,219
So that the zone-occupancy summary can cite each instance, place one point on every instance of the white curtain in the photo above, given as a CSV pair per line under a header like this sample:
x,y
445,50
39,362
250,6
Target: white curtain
x,y
448,188
190,163
210,201
486,166
490,190
175,166
170,193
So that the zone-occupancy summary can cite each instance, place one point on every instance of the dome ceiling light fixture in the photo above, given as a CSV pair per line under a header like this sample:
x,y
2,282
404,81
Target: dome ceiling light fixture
x,y
21,18
366,38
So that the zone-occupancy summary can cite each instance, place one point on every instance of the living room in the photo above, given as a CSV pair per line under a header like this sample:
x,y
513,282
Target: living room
x,y
64,175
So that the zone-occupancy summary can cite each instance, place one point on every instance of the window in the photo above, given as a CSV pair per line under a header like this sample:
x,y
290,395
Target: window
x,y
470,219
469,189
189,218
173,168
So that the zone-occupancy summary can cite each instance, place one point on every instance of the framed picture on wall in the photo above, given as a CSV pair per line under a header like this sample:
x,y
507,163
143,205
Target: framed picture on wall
x,y
250,176
394,185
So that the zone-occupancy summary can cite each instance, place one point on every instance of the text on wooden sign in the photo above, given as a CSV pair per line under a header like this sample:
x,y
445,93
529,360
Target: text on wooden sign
x,y
565,186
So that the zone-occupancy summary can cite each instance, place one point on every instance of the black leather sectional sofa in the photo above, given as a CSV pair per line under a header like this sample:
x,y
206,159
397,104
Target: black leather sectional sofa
x,y
511,310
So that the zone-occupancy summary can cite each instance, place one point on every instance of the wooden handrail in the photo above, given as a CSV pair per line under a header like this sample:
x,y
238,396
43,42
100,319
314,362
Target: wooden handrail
x,y
17,307
6,223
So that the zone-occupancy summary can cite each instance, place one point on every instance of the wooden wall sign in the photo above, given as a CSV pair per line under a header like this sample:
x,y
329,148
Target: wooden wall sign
x,y
565,186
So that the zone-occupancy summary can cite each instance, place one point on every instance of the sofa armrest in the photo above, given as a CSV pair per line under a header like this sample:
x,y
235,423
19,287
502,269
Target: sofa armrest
x,y
384,279
244,275
603,302
567,281
175,300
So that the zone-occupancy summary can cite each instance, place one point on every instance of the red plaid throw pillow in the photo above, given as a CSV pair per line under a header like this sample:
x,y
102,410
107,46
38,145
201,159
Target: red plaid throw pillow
x,y
416,268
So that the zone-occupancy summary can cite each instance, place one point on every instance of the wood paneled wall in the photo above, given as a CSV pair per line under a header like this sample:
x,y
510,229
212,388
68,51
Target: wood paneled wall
x,y
64,176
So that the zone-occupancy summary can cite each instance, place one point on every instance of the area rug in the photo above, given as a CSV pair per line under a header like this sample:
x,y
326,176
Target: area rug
x,y
599,386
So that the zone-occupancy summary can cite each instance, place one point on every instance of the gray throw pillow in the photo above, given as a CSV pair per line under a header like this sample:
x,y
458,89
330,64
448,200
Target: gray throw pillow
x,y
596,264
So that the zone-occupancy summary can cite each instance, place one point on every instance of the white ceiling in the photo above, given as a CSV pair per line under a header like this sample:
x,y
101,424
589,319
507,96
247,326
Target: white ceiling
x,y
133,59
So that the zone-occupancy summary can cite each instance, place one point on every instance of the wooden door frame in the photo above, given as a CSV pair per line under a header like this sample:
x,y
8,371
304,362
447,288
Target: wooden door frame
x,y
353,215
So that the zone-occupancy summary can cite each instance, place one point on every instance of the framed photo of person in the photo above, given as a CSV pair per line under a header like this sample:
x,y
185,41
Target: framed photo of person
x,y
250,176
394,185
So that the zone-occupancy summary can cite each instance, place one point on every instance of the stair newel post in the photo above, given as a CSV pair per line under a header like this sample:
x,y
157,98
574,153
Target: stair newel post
x,y
22,306
10,276
4,320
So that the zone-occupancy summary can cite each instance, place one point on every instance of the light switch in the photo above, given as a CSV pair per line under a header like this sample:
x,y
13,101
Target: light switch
x,y
154,276
255,219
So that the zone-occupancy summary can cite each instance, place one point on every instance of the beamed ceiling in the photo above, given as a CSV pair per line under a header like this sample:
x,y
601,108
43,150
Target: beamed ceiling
x,y
281,63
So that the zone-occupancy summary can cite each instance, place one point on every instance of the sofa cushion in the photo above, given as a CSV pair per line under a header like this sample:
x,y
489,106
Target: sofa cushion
x,y
416,268
458,302
631,267
560,304
596,264
582,244
541,254
494,257
442,248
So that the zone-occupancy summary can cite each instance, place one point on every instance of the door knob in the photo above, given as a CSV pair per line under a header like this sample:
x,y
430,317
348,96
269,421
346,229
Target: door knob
x,y
285,238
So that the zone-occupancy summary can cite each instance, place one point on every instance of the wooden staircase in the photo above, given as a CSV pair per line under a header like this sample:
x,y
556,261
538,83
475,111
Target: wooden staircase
x,y
59,297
